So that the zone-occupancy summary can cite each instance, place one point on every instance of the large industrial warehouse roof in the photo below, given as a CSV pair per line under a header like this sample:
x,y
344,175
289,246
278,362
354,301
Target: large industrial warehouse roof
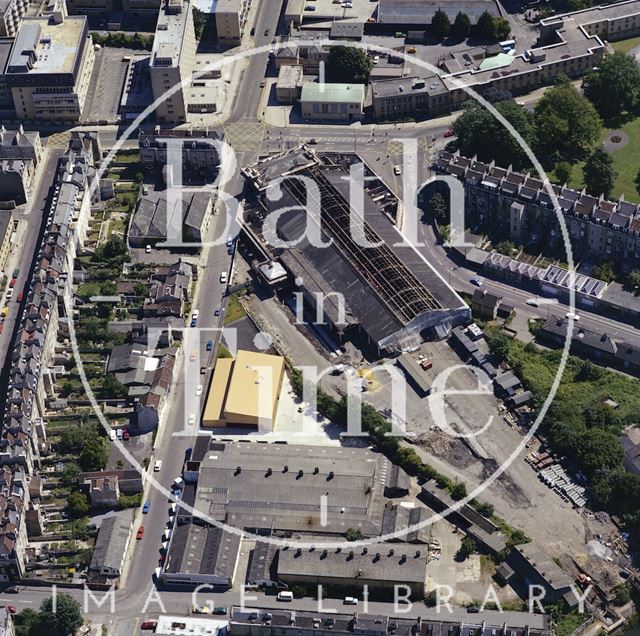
x,y
385,287
282,485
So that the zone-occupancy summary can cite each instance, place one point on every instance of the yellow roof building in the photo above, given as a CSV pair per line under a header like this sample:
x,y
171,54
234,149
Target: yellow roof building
x,y
244,391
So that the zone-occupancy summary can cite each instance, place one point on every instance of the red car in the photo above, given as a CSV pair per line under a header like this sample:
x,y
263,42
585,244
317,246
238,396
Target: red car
x,y
449,133
12,284
140,533
20,296
125,434
149,625
12,609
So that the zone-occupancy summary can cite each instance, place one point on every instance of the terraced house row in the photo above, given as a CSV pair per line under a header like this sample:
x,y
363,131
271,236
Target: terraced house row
x,y
45,317
520,204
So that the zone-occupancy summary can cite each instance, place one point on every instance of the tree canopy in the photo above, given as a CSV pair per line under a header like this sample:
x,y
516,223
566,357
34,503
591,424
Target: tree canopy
x,y
440,24
348,64
63,620
480,133
615,86
567,123
493,28
599,174
461,26
94,455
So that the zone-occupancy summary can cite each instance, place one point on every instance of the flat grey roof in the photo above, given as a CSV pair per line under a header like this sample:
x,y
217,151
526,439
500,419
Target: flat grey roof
x,y
197,549
383,562
251,485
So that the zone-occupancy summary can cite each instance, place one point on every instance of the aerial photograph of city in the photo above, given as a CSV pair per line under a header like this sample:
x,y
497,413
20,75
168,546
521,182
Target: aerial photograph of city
x,y
320,317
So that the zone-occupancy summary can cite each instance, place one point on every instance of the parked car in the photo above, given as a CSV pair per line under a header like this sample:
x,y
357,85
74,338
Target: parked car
x,y
148,249
187,454
149,624
192,419
477,281
472,609
220,611
12,609
9,294
223,277
449,133
209,345
350,600
194,322
12,283
12,590
112,435
571,314
16,271
20,296
125,434
253,31
145,508
119,433
157,466
199,390
217,312
286,597
140,533
397,170
200,609
178,483
266,33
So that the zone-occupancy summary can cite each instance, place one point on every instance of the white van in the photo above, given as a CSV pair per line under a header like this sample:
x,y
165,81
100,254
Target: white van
x,y
195,314
350,600
286,597
157,466
223,277
112,435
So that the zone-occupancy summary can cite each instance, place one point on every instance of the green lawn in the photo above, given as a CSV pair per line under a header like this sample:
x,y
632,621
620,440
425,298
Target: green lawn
x,y
235,310
626,162
626,45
